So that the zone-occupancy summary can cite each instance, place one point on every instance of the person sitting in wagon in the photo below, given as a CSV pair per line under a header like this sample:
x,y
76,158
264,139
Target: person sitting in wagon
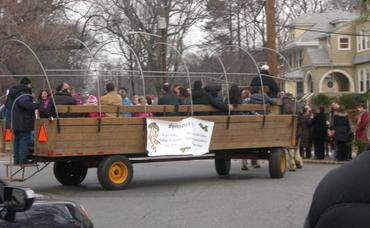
x,y
168,98
258,97
111,98
200,96
63,95
267,80
93,101
46,109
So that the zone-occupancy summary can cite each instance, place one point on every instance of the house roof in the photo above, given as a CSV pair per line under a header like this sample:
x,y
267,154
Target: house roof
x,y
318,56
358,59
322,22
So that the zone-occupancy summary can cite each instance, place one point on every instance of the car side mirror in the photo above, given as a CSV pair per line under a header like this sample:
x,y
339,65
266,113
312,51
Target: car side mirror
x,y
18,199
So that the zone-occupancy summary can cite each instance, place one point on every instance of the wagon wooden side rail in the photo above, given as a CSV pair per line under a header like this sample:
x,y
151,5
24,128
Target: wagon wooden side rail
x,y
160,108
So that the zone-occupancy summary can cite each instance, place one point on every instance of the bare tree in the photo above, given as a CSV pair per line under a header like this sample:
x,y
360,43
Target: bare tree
x,y
112,20
43,25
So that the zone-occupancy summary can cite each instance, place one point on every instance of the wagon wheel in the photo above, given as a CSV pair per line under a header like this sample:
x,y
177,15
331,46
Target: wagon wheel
x,y
115,172
69,173
277,163
222,166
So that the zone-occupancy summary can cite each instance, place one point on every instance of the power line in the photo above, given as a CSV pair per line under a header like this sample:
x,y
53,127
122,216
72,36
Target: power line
x,y
319,31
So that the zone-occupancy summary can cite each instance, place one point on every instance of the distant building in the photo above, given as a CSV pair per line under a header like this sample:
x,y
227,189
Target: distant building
x,y
335,60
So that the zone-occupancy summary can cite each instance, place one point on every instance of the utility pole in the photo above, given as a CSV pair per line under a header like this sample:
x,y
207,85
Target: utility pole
x,y
271,36
162,25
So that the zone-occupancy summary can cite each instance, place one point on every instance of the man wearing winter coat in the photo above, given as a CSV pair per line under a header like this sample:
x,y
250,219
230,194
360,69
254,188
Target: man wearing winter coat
x,y
169,98
267,80
200,96
63,96
20,118
111,98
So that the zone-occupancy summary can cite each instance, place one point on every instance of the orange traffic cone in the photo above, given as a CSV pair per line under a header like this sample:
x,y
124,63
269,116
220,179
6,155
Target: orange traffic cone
x,y
43,138
8,135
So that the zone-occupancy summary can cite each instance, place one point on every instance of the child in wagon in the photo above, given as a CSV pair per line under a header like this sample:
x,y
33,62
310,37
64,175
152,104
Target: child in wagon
x,y
92,100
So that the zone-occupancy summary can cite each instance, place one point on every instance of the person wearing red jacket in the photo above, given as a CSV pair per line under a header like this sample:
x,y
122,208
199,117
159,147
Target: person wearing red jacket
x,y
361,128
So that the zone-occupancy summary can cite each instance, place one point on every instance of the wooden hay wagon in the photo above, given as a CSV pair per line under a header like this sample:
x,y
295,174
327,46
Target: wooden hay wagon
x,y
112,145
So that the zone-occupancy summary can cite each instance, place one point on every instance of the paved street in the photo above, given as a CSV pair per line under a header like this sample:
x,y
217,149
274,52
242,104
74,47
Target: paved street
x,y
190,194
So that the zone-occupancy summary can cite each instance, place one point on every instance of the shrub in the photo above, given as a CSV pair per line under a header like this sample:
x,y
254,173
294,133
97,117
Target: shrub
x,y
351,101
322,99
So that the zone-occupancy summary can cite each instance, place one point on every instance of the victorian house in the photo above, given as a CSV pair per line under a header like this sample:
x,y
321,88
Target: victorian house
x,y
329,53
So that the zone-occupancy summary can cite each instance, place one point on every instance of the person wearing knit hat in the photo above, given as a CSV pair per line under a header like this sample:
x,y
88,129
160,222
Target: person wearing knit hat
x,y
267,81
93,101
63,87
25,81
20,118
63,95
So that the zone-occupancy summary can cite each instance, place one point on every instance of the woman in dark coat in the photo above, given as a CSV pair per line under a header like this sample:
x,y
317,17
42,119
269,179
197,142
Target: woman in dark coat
x,y
305,133
319,132
46,108
342,130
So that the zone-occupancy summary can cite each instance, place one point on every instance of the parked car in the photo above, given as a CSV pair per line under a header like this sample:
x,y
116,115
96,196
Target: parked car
x,y
19,207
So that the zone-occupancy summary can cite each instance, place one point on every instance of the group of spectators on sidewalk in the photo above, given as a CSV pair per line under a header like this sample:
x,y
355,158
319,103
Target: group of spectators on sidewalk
x,y
332,137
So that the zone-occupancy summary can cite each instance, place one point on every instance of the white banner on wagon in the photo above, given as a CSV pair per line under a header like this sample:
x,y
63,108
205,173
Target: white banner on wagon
x,y
189,136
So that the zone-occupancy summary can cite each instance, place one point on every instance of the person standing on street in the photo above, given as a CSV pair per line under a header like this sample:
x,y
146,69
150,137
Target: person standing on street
x,y
361,128
342,131
21,118
319,130
305,132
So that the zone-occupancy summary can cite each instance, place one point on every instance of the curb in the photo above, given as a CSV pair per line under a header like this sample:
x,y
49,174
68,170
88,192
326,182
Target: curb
x,y
325,162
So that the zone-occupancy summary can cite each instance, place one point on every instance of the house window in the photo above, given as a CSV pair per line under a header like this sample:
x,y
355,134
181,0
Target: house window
x,y
298,59
364,80
363,41
300,89
344,43
361,79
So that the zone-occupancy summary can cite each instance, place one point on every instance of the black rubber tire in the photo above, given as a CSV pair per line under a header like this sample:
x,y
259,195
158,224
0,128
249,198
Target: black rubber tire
x,y
277,163
223,166
104,172
70,173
